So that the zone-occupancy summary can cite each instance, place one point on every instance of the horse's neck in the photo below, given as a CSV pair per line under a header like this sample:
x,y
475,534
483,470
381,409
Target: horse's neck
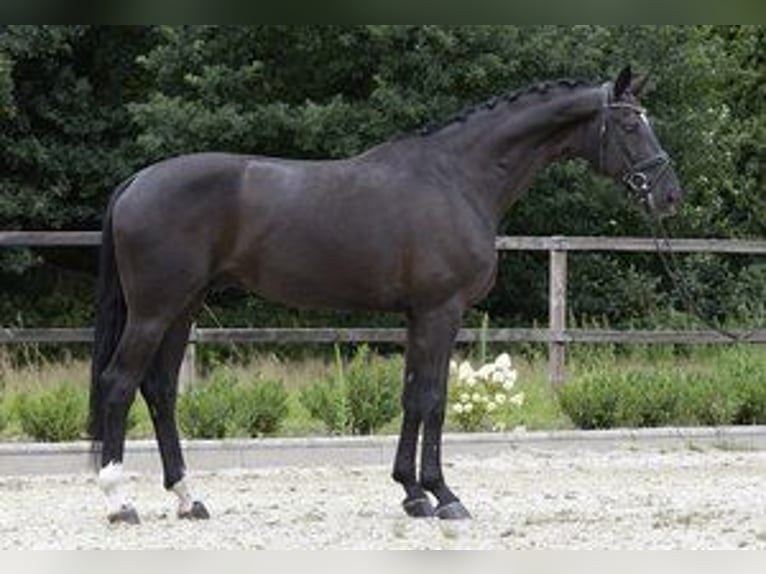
x,y
506,147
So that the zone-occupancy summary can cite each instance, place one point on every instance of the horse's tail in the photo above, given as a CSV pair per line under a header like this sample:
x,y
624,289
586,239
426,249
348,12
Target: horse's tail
x,y
111,313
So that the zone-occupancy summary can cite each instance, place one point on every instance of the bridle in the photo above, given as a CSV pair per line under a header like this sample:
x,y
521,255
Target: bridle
x,y
638,176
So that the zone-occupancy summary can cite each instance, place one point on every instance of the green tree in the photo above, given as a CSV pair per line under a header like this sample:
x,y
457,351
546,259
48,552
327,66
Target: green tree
x,y
67,138
84,106
67,135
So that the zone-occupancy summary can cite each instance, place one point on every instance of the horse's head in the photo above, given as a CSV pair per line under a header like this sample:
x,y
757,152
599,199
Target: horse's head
x,y
629,150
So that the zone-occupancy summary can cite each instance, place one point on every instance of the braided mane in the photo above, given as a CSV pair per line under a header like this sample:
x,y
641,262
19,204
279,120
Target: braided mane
x,y
538,88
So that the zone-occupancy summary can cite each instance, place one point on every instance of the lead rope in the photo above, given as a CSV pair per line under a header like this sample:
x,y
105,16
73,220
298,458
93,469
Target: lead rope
x,y
672,269
637,181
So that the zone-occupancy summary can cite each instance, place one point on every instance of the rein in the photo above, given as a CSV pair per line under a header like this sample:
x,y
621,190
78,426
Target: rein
x,y
640,177
670,264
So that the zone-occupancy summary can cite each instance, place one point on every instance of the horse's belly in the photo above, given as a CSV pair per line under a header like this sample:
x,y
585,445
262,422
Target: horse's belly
x,y
322,285
337,283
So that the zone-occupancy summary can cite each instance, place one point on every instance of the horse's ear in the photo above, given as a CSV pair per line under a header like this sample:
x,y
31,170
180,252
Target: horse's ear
x,y
623,82
639,85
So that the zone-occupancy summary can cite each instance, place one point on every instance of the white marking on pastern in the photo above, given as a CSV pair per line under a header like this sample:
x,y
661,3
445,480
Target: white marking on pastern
x,y
185,500
111,483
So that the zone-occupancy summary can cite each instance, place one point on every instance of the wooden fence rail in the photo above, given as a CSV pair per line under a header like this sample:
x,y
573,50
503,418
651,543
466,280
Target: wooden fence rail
x,y
557,335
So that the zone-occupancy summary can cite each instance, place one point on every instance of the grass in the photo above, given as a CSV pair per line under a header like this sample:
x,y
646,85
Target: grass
x,y
541,410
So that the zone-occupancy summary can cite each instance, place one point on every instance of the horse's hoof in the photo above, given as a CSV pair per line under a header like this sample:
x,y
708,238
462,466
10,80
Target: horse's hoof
x,y
197,512
418,507
452,511
126,515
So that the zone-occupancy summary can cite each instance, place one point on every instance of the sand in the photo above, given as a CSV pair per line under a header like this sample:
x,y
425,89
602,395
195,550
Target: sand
x,y
624,498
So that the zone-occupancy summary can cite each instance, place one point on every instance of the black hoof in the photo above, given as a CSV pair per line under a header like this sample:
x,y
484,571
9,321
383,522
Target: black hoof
x,y
452,511
197,512
418,507
126,515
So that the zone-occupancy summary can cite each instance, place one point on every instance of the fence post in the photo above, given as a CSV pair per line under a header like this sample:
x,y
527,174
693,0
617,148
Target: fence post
x,y
188,371
557,311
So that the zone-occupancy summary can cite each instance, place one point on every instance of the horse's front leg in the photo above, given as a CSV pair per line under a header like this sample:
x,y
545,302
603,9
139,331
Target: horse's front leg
x,y
431,335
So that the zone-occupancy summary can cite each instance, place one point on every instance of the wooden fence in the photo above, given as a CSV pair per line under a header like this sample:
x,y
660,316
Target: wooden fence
x,y
557,335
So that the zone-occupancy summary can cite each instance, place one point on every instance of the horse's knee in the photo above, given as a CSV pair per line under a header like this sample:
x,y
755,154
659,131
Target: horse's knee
x,y
425,398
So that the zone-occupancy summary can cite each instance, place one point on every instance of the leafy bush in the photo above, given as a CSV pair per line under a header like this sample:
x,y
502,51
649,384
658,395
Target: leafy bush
x,y
3,415
207,410
54,415
222,406
374,389
360,397
705,399
751,404
733,391
590,401
647,399
261,407
749,382
138,423
327,401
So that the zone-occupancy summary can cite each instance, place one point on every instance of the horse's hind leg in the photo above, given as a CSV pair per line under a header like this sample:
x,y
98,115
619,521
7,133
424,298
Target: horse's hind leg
x,y
160,388
137,347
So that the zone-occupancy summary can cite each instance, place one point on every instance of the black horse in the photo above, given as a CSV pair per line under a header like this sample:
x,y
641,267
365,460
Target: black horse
x,y
407,226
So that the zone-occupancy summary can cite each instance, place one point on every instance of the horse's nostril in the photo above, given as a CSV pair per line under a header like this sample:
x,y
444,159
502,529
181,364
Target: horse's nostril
x,y
674,196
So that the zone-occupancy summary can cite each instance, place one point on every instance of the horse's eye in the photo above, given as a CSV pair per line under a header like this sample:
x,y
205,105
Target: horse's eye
x,y
630,126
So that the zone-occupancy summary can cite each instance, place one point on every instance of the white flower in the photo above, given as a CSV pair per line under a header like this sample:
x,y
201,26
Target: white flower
x,y
485,372
476,397
467,408
458,408
498,376
465,372
500,398
453,366
465,397
491,406
503,361
510,380
517,399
